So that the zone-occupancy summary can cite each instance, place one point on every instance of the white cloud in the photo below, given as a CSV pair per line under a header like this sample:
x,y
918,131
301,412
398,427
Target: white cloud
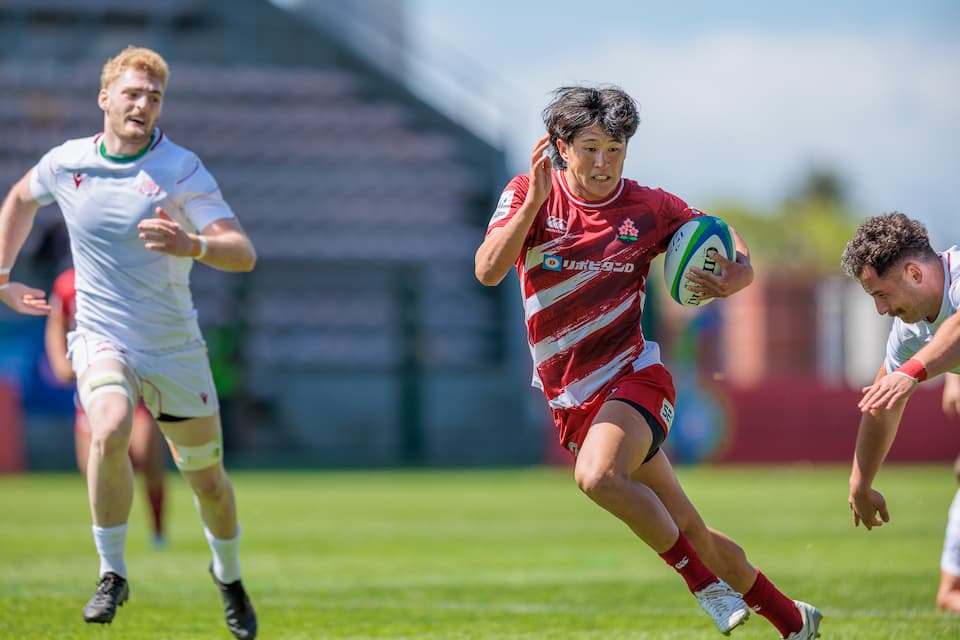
x,y
744,114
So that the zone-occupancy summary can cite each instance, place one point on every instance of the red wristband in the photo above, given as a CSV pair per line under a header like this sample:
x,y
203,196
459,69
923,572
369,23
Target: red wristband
x,y
914,368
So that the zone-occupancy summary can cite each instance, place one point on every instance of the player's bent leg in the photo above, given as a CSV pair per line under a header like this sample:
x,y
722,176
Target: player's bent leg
x,y
794,620
197,448
615,445
107,390
719,552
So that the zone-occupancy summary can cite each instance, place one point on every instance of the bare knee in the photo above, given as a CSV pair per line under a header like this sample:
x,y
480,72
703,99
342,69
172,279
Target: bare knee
x,y
110,429
209,484
600,484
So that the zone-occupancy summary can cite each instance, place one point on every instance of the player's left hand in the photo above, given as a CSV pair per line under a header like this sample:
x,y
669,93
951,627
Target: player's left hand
x,y
732,276
165,235
867,506
887,392
24,299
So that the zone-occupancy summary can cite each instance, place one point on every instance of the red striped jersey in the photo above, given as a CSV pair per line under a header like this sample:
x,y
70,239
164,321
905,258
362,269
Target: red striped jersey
x,y
583,270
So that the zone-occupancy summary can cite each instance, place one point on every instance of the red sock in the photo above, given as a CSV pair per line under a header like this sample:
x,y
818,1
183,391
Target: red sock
x,y
766,599
682,557
155,495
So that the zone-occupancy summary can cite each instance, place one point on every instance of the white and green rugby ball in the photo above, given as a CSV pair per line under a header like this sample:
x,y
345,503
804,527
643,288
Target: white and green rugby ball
x,y
689,248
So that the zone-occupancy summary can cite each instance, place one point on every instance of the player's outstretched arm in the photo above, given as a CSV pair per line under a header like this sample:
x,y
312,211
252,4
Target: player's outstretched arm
x,y
942,352
877,431
16,219
222,244
939,355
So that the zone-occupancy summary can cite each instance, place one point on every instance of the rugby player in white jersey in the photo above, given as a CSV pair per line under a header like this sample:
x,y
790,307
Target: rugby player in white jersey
x,y
139,210
581,239
891,257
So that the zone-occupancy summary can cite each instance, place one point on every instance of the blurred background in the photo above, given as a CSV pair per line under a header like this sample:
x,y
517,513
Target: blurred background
x,y
363,144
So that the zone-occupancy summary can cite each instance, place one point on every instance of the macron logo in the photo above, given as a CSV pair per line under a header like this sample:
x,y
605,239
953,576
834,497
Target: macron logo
x,y
680,565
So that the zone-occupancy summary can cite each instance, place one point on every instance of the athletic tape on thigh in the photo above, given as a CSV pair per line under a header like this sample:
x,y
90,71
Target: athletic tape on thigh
x,y
196,458
109,382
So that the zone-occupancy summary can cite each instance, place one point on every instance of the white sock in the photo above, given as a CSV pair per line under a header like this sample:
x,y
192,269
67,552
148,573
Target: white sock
x,y
111,542
226,557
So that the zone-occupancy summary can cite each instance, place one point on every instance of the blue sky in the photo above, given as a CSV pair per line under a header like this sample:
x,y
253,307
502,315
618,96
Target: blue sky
x,y
739,100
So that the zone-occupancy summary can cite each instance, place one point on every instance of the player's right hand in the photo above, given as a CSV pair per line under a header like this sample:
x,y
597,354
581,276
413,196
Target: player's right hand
x,y
541,173
868,507
24,299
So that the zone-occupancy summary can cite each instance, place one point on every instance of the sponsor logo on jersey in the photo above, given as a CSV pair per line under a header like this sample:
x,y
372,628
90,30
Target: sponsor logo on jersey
x,y
77,179
503,206
553,263
627,231
597,265
667,413
556,224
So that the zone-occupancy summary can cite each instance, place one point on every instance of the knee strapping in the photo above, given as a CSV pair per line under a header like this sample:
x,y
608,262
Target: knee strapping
x,y
198,457
109,382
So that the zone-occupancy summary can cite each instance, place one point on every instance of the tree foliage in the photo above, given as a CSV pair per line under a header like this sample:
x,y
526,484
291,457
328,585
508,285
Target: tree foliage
x,y
807,232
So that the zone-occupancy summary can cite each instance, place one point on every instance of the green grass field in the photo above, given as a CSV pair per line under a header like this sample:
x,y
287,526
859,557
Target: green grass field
x,y
513,554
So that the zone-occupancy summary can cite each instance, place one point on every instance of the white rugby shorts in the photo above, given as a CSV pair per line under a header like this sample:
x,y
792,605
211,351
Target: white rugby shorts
x,y
175,382
950,560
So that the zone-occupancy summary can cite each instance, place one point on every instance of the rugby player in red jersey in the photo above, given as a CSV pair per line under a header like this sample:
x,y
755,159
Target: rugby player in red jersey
x,y
581,238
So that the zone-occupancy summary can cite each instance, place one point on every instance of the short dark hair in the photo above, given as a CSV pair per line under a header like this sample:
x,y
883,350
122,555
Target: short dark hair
x,y
883,241
574,109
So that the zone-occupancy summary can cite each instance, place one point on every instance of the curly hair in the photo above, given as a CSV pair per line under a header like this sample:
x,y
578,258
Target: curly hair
x,y
883,241
574,109
139,58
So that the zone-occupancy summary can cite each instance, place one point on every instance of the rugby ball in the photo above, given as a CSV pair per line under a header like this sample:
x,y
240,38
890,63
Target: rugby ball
x,y
688,248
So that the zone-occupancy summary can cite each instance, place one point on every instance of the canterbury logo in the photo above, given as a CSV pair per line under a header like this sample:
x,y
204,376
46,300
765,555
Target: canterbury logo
x,y
555,223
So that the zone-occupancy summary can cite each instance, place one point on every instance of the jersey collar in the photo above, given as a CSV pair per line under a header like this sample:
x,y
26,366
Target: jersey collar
x,y
155,139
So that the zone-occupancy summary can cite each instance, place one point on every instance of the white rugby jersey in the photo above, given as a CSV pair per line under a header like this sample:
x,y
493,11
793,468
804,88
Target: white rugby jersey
x,y
137,297
906,339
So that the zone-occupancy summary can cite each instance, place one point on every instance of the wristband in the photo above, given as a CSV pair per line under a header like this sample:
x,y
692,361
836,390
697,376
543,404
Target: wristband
x,y
913,368
203,247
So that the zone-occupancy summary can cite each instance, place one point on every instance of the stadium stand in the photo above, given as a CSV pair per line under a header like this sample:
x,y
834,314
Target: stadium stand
x,y
363,336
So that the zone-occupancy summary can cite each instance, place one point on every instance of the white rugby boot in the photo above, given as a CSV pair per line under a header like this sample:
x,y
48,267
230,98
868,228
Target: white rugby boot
x,y
811,622
725,606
